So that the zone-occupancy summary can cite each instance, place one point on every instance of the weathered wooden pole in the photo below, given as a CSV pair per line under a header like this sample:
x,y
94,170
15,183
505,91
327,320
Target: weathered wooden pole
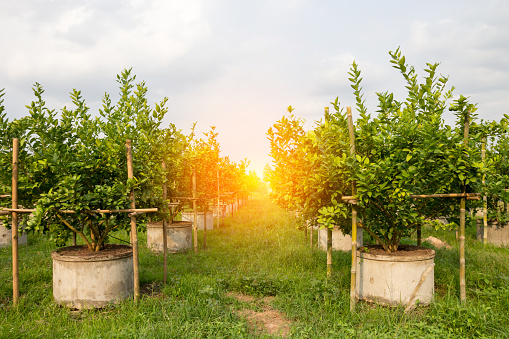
x,y
165,239
218,198
134,232
329,233
205,209
463,293
312,224
195,222
485,198
353,281
329,252
14,224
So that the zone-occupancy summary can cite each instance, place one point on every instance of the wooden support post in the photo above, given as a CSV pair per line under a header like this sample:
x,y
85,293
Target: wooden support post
x,y
134,232
312,223
353,278
463,293
165,236
419,235
205,209
218,197
14,229
485,198
329,235
195,214
329,252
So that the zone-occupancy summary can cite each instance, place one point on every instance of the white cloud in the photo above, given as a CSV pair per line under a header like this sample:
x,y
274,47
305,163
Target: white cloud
x,y
83,39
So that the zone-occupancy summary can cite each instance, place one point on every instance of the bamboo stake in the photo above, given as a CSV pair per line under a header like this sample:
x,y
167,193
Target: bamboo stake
x,y
329,252
218,197
14,228
136,211
444,195
165,239
485,198
195,224
311,233
205,225
134,232
353,278
329,234
463,294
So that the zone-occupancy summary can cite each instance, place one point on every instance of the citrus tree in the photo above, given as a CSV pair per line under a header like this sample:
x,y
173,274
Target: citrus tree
x,y
73,161
408,149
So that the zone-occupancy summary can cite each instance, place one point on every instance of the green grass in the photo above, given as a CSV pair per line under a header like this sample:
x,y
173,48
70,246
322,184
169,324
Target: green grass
x,y
260,252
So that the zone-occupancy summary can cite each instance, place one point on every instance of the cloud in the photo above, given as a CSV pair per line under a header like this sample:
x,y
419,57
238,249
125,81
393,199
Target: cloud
x,y
72,41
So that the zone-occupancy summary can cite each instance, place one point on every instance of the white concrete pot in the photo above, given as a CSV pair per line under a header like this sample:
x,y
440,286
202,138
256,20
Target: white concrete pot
x,y
189,216
340,241
393,278
179,236
498,234
6,237
221,212
92,279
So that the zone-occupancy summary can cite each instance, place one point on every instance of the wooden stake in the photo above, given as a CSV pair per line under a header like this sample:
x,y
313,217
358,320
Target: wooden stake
x,y
195,224
205,225
165,239
311,233
353,278
463,293
218,196
329,252
134,232
485,198
14,228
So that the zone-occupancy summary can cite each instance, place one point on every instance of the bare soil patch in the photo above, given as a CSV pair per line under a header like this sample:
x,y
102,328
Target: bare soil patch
x,y
268,320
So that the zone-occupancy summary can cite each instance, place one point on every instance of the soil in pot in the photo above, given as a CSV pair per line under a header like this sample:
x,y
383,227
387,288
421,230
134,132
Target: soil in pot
x,y
179,236
404,277
87,279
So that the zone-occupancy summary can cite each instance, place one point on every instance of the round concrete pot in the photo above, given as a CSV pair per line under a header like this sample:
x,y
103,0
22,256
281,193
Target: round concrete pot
x,y
6,237
498,233
340,241
402,278
189,216
84,279
179,236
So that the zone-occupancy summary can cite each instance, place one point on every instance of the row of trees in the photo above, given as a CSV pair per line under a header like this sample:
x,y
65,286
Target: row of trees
x,y
405,149
75,160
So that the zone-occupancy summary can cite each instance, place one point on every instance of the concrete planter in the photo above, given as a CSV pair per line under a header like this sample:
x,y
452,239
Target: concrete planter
x,y
221,213
179,236
393,278
340,241
498,234
6,237
85,279
189,216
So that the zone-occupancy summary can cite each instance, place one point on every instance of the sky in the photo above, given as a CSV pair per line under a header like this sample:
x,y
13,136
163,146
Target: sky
x,y
238,65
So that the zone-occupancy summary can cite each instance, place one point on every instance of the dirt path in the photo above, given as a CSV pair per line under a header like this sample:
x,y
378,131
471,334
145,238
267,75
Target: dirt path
x,y
268,320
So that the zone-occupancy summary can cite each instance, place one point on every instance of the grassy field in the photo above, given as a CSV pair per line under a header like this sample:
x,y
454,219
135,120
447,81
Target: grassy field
x,y
258,278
